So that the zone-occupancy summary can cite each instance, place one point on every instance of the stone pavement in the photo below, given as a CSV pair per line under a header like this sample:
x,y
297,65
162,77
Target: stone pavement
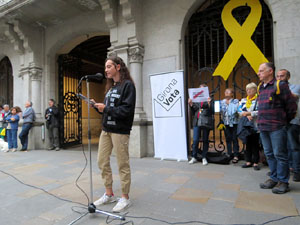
x,y
165,190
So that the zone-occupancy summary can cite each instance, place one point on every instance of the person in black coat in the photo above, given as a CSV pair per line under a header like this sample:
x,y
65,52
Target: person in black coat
x,y
52,124
203,122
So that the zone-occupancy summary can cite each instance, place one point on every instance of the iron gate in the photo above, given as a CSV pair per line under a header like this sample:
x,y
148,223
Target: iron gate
x,y
206,42
6,82
70,107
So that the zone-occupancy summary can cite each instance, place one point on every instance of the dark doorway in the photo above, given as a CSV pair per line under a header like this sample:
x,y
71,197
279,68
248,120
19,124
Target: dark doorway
x,y
206,41
6,82
86,58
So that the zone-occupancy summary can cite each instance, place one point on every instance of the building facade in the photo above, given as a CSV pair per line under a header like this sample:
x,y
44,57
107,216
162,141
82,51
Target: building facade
x,y
47,46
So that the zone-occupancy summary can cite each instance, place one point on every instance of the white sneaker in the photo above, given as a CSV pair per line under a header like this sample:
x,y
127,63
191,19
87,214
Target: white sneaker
x,y
193,160
7,150
13,150
105,199
122,204
204,162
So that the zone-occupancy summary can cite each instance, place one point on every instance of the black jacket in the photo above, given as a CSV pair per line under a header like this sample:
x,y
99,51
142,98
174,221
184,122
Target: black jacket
x,y
119,108
53,118
206,118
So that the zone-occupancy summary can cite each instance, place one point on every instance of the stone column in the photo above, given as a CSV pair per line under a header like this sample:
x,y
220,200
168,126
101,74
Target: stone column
x,y
32,81
36,80
138,137
136,55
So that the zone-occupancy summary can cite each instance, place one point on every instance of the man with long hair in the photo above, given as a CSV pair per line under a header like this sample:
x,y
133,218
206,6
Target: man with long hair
x,y
118,113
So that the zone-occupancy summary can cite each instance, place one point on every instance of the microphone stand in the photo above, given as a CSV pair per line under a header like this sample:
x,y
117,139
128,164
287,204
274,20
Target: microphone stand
x,y
91,207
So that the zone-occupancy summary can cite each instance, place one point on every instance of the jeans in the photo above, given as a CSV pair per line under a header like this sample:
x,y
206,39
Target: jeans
x,y
12,135
205,139
24,135
293,145
231,138
274,143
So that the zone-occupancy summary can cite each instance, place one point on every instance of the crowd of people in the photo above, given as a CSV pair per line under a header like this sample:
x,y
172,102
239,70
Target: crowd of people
x,y
11,117
267,116
9,125
268,119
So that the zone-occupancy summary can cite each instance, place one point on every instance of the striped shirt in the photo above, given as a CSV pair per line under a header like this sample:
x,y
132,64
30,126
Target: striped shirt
x,y
275,111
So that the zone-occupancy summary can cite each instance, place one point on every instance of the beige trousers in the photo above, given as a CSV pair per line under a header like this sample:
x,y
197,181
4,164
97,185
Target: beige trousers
x,y
118,142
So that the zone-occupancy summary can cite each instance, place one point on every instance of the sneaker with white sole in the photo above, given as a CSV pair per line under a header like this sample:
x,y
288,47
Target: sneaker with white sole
x,y
105,199
122,204
204,162
193,160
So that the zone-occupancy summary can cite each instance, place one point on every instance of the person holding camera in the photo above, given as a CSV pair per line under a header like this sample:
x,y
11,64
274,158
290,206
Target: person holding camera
x,y
52,124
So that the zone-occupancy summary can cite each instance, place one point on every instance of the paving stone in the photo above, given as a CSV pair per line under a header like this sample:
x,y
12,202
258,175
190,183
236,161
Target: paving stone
x,y
219,207
167,171
225,195
232,187
210,174
177,179
192,195
165,190
38,221
32,168
269,203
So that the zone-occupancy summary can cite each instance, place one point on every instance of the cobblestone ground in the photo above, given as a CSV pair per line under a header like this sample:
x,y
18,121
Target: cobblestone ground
x,y
163,190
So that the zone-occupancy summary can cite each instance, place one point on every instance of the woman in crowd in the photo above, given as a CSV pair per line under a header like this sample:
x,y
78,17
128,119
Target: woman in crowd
x,y
202,123
12,130
19,111
229,109
249,109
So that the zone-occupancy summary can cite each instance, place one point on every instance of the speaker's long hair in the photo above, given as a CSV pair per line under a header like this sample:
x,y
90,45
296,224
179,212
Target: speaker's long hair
x,y
124,72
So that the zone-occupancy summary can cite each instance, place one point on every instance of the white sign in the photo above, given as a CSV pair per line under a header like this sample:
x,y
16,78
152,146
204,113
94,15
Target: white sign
x,y
199,94
168,110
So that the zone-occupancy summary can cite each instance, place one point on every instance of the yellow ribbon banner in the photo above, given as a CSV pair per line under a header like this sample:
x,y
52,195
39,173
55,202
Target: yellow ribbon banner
x,y
242,43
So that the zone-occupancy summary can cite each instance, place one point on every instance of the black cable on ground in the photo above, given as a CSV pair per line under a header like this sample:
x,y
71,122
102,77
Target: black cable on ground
x,y
76,182
109,221
201,222
41,189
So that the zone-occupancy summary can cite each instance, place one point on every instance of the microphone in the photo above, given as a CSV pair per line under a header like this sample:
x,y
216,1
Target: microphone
x,y
97,76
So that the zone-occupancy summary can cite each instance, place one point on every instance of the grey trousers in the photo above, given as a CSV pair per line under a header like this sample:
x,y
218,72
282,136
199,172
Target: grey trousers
x,y
53,136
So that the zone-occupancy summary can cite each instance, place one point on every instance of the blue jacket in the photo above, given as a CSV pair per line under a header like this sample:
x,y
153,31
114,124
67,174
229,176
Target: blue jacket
x,y
28,115
14,124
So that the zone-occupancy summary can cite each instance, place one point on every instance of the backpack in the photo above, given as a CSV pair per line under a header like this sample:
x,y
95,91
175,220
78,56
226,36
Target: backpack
x,y
276,87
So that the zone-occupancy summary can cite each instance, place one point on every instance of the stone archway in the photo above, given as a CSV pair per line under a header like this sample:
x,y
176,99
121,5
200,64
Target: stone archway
x,y
86,58
6,82
206,41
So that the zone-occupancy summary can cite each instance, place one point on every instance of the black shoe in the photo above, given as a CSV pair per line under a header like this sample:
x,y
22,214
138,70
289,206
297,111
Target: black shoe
x,y
23,149
296,177
246,165
268,184
256,167
281,188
